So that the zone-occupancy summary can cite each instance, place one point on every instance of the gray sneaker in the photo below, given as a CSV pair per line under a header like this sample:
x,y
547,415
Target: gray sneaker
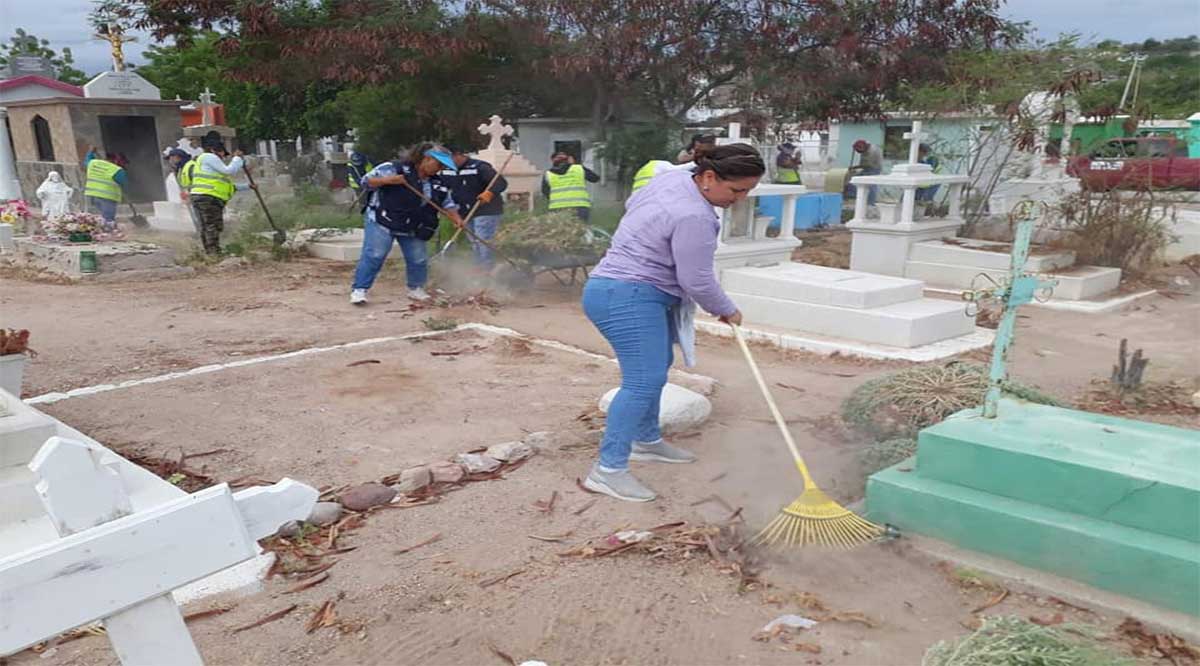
x,y
621,485
661,452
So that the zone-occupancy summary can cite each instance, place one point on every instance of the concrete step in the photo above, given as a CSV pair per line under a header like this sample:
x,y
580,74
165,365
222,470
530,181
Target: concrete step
x,y
909,324
822,285
1077,284
1140,475
981,254
1159,569
22,433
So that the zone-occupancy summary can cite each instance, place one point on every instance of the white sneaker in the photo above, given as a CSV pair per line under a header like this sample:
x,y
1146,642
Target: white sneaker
x,y
418,294
358,296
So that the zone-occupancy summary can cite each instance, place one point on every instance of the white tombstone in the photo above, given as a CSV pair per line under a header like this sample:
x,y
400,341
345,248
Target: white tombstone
x,y
882,245
117,565
524,179
120,85
55,196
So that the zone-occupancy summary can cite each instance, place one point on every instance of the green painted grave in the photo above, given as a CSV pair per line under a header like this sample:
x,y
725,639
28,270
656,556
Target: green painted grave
x,y
1055,490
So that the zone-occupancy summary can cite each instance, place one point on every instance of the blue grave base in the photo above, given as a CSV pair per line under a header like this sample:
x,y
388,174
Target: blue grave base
x,y
817,209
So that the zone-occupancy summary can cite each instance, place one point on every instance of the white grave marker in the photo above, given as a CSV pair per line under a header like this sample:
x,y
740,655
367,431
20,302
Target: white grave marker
x,y
120,566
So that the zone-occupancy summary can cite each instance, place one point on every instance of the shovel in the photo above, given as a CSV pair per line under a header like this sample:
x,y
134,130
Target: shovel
x,y
137,219
280,236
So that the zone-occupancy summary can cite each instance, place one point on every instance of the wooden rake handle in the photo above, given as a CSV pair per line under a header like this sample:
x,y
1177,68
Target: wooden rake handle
x,y
478,202
766,392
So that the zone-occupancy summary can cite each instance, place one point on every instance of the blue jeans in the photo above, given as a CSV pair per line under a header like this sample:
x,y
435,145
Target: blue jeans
x,y
484,226
106,207
377,243
635,318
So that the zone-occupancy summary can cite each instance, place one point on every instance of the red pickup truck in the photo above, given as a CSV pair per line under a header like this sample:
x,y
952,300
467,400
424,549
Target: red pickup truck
x,y
1156,162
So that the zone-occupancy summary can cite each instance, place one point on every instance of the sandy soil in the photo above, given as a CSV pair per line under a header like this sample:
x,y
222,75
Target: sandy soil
x,y
325,423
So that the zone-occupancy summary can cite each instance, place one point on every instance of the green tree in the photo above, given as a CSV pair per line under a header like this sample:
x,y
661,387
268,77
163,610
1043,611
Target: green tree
x,y
25,44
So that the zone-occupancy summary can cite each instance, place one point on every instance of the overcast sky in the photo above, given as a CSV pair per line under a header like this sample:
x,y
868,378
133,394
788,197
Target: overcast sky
x,y
64,23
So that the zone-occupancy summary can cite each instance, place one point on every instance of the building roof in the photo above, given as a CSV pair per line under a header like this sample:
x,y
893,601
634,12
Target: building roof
x,y
35,80
96,101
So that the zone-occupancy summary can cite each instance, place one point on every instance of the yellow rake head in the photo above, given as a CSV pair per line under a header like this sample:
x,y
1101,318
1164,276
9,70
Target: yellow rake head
x,y
815,519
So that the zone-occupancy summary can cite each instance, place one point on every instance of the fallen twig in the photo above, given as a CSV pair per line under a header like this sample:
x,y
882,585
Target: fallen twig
x,y
587,505
547,506
214,452
308,582
502,654
199,615
324,617
551,539
270,618
365,361
1000,596
433,539
500,579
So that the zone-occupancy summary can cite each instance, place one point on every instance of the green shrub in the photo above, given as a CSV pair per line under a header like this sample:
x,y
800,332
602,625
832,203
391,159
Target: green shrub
x,y
1013,641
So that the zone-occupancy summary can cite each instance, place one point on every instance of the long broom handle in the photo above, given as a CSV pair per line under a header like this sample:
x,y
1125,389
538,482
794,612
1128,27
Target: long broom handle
x,y
470,233
762,386
471,213
261,202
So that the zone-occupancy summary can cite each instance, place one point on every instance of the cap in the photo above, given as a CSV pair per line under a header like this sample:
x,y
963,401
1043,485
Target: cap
x,y
442,155
861,144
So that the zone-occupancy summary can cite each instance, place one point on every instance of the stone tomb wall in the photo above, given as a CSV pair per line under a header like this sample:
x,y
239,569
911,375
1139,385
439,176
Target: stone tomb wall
x,y
75,125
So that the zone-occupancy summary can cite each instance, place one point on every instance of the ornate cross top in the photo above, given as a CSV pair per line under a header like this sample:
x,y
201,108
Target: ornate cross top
x,y
496,130
115,35
914,145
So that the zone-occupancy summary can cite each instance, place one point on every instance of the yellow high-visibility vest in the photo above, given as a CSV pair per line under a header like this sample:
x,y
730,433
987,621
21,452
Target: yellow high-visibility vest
x,y
787,175
186,173
644,174
212,184
101,180
568,190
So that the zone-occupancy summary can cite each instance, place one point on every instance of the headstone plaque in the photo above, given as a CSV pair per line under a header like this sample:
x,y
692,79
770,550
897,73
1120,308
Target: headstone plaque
x,y
120,85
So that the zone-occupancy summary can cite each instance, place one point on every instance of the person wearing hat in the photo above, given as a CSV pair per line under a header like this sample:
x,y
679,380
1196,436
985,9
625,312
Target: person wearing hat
x,y
468,183
183,166
395,212
212,187
565,185
870,163
357,167
787,166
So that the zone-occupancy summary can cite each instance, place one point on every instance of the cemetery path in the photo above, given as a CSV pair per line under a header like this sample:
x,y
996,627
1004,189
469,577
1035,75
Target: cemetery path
x,y
325,423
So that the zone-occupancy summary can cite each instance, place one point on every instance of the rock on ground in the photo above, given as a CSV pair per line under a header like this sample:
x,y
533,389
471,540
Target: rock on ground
x,y
511,451
477,463
414,479
447,472
367,495
325,513
681,409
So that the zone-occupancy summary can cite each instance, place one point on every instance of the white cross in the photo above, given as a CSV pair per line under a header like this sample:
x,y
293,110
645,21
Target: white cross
x,y
914,145
495,129
206,107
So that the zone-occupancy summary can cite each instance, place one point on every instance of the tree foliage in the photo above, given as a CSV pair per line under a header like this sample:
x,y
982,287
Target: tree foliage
x,y
24,44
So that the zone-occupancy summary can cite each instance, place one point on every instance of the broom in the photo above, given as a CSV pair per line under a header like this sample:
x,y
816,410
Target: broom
x,y
813,518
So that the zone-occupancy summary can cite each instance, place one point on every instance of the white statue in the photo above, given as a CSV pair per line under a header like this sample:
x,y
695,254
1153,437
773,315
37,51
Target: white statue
x,y
55,196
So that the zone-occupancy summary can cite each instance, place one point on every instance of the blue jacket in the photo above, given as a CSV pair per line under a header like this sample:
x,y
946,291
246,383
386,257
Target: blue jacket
x,y
400,209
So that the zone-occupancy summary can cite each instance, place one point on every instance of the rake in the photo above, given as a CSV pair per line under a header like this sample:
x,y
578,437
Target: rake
x,y
471,213
813,518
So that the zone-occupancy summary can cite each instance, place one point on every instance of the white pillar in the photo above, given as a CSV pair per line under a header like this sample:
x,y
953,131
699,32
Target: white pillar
x,y
787,224
10,187
907,204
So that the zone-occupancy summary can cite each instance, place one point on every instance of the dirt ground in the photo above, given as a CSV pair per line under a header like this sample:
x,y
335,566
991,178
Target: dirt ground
x,y
320,420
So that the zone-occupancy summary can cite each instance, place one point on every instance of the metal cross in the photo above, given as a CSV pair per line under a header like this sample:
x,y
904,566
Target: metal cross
x,y
1018,289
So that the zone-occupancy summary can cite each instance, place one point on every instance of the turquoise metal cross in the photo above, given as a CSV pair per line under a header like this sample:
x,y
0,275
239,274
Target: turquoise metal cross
x,y
1020,288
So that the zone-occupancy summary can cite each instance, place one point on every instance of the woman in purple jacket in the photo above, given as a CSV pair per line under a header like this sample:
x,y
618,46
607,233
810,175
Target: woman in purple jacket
x,y
660,263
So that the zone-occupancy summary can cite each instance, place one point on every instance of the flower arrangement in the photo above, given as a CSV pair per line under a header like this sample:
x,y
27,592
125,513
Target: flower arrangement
x,y
15,211
78,225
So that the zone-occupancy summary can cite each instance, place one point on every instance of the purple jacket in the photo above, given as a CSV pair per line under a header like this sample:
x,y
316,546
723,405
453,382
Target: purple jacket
x,y
667,239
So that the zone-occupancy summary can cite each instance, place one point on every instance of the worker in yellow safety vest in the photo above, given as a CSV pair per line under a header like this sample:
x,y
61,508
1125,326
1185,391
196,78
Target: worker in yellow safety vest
x,y
105,181
565,185
648,171
212,187
787,165
185,167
